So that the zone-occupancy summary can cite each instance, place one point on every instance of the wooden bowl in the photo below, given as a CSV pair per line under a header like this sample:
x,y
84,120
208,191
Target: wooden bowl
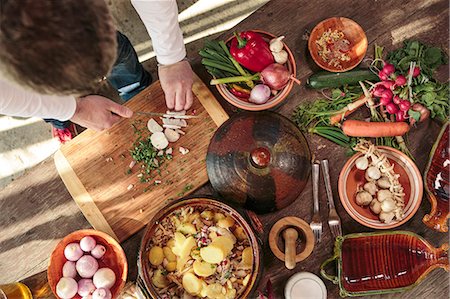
x,y
272,102
114,259
353,33
410,178
144,279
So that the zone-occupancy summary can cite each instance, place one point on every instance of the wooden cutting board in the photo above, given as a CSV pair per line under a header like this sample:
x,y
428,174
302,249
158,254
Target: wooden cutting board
x,y
94,165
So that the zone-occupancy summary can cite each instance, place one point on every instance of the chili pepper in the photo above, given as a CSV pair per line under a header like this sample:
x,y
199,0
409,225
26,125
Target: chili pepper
x,y
251,50
239,91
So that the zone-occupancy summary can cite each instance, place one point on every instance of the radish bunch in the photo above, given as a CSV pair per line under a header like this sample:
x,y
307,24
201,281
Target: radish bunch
x,y
388,90
81,272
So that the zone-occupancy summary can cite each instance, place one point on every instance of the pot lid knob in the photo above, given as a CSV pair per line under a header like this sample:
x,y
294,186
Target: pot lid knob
x,y
260,157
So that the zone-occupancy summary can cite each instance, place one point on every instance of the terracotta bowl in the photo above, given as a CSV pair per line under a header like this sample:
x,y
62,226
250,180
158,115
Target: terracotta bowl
x,y
353,33
144,279
274,100
410,178
114,259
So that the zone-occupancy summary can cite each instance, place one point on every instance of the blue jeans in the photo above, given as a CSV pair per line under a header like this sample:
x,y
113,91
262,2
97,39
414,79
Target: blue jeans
x,y
127,76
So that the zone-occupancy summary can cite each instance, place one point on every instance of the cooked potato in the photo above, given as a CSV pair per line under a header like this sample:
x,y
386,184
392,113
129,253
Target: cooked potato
x,y
204,269
239,233
218,216
246,280
226,222
231,294
170,243
212,235
170,256
156,255
212,254
187,246
187,228
208,215
214,291
195,254
225,243
247,257
192,284
159,280
193,216
171,266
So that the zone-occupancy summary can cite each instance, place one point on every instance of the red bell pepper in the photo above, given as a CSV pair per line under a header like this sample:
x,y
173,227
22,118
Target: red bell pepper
x,y
251,51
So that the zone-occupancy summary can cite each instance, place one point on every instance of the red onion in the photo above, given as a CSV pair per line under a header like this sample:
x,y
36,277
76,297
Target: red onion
x,y
276,76
98,251
260,94
73,252
391,108
388,69
66,288
87,266
69,269
400,80
85,287
87,243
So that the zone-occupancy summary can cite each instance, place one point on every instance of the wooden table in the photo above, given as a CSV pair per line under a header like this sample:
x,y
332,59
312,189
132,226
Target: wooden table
x,y
37,211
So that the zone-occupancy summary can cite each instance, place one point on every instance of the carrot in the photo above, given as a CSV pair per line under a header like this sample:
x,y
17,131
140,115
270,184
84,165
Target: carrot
x,y
347,110
359,128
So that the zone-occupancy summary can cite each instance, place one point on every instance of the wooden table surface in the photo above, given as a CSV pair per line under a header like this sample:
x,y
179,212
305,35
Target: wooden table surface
x,y
37,211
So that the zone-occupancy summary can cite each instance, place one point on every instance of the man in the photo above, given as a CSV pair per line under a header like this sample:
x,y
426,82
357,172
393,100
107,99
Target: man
x,y
56,54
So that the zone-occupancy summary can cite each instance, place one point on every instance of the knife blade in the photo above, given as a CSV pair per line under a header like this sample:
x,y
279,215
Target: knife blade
x,y
167,115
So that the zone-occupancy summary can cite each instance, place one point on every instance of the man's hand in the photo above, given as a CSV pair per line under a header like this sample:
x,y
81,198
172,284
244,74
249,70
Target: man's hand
x,y
98,113
176,81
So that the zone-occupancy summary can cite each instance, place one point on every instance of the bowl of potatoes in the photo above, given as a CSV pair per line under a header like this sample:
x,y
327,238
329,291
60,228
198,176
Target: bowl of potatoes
x,y
201,248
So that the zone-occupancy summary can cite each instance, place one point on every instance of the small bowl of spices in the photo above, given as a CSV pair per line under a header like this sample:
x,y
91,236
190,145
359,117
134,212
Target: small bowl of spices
x,y
337,44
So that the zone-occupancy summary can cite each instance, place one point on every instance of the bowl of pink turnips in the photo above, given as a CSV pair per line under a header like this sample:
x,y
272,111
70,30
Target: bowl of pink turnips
x,y
87,264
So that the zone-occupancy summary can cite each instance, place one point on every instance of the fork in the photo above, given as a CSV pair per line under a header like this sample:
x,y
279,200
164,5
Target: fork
x,y
333,219
316,223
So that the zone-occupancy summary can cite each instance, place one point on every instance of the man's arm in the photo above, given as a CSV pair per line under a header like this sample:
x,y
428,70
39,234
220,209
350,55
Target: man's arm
x,y
176,76
93,111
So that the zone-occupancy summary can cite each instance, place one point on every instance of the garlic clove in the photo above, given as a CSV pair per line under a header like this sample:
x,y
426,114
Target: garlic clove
x,y
362,163
280,57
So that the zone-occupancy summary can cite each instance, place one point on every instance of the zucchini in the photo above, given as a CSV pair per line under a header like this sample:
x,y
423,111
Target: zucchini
x,y
326,79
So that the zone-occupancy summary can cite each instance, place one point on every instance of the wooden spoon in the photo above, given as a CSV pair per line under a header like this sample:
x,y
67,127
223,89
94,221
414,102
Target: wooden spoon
x,y
290,236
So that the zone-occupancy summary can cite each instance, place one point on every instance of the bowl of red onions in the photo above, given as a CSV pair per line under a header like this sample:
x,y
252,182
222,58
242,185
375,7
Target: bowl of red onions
x,y
271,84
87,264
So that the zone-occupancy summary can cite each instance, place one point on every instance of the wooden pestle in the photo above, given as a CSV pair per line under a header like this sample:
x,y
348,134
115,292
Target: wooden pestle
x,y
290,236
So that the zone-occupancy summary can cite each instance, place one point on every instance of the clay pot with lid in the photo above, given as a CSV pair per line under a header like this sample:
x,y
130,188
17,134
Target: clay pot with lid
x,y
258,160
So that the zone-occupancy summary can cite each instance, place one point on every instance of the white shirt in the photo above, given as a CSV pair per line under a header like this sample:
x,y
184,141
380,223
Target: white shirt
x,y
161,20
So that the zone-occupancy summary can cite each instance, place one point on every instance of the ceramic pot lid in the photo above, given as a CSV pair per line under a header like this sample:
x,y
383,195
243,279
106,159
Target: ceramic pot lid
x,y
258,160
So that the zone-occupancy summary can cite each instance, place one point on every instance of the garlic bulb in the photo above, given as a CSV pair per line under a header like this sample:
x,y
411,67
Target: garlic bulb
x,y
276,45
388,205
382,195
384,183
386,217
280,57
362,163
373,172
370,187
363,198
375,206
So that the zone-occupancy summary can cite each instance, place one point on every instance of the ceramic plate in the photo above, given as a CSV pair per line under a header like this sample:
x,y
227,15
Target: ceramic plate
x,y
305,285
410,178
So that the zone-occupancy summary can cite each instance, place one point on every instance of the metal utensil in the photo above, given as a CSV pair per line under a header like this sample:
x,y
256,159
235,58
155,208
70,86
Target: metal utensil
x,y
316,223
333,219
167,115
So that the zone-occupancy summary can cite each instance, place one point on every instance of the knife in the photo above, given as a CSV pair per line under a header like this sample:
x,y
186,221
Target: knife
x,y
167,115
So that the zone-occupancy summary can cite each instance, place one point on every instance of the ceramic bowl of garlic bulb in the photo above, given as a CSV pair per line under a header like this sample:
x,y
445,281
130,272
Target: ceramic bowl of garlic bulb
x,y
380,187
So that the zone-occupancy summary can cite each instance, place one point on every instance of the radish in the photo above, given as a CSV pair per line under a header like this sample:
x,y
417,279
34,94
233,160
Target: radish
x,y
400,80
391,108
382,75
416,71
389,84
387,93
397,99
400,116
388,69
378,90
404,105
384,101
